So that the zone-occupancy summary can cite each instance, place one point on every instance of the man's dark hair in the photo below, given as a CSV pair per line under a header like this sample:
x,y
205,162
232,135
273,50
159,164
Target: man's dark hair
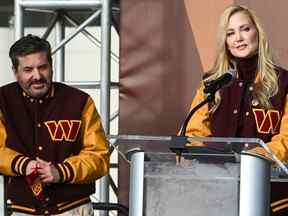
x,y
27,45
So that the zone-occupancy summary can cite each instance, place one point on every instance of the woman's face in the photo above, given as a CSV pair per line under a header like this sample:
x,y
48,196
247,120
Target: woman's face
x,y
241,36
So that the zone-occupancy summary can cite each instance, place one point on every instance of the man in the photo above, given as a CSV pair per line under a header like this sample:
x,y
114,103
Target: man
x,y
52,144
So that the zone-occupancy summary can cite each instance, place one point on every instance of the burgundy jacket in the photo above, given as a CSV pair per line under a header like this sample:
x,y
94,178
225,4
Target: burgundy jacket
x,y
240,115
64,128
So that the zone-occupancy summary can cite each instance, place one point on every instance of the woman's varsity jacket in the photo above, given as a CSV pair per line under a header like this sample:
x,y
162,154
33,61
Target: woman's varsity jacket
x,y
239,115
63,128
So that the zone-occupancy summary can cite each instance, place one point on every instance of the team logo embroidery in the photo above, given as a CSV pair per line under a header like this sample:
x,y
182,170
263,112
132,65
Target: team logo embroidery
x,y
267,121
63,129
36,188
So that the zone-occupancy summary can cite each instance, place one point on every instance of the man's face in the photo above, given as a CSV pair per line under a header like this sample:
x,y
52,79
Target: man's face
x,y
34,74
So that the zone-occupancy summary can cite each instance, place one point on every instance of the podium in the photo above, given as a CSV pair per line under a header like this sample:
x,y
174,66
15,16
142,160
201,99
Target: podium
x,y
205,181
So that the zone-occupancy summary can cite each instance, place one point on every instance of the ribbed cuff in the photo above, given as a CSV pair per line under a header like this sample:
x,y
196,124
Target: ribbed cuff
x,y
65,171
19,164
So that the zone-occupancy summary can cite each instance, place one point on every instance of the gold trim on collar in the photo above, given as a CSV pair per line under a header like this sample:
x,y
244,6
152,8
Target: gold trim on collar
x,y
51,91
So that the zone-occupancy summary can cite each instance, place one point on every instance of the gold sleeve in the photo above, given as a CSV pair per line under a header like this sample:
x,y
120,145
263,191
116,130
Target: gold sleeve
x,y
199,124
93,160
12,162
279,142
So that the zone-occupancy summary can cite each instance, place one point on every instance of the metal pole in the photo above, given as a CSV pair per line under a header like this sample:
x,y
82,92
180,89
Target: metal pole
x,y
60,55
18,16
136,184
105,86
89,36
51,26
3,201
254,186
79,29
90,84
56,4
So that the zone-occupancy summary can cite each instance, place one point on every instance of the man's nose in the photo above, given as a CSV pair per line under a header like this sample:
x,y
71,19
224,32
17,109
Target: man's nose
x,y
36,74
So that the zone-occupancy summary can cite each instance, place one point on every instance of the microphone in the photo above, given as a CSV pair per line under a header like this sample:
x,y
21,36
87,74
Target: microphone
x,y
224,80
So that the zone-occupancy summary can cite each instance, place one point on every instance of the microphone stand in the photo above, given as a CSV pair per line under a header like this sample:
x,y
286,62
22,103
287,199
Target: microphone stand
x,y
210,89
210,97
178,150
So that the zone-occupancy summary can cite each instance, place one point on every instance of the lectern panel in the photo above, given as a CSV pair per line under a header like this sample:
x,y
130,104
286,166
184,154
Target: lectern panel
x,y
190,188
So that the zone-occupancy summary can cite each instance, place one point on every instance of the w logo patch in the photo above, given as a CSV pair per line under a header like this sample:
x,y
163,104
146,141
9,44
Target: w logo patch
x,y
267,122
63,129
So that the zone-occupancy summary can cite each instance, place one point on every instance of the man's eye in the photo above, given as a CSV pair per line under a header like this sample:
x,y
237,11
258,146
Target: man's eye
x,y
27,70
43,67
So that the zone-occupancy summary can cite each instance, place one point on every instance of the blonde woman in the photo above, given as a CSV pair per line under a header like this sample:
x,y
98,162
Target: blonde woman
x,y
255,104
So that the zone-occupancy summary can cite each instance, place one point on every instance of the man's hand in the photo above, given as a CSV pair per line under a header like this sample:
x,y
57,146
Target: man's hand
x,y
47,171
31,166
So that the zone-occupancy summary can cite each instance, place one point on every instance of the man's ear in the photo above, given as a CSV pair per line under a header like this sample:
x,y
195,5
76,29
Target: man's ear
x,y
14,71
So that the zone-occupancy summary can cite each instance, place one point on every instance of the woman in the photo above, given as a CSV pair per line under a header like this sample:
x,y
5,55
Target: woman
x,y
255,104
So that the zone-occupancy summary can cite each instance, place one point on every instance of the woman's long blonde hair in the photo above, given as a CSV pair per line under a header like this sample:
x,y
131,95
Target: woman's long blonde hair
x,y
266,82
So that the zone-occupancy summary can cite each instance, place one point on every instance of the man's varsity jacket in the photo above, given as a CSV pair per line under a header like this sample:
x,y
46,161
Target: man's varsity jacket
x,y
64,128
